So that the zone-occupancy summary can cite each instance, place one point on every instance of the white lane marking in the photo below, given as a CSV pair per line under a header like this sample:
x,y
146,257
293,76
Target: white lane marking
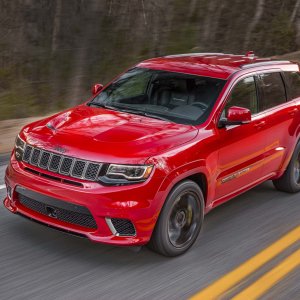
x,y
2,186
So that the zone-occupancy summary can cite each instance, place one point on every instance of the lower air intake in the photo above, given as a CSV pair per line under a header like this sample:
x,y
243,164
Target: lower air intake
x,y
82,217
123,227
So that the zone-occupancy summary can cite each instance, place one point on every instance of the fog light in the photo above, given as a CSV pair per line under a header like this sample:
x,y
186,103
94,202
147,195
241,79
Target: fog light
x,y
9,191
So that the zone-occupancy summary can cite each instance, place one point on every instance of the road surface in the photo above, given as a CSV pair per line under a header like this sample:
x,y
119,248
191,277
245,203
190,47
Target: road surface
x,y
40,263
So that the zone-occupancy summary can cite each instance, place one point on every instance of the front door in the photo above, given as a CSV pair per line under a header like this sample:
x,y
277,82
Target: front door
x,y
242,147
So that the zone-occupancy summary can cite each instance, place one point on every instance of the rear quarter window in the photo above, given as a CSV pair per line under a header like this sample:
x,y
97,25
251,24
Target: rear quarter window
x,y
293,84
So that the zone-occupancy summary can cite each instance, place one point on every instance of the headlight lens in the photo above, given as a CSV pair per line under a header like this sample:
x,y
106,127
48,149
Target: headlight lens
x,y
19,148
129,172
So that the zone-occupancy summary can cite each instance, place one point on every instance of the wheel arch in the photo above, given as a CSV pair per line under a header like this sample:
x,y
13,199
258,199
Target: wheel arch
x,y
288,158
198,175
201,180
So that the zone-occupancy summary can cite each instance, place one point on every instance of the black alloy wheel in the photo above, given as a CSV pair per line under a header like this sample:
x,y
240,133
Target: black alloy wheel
x,y
180,220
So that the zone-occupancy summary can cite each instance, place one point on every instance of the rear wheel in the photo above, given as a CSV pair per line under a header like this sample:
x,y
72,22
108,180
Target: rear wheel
x,y
180,220
290,180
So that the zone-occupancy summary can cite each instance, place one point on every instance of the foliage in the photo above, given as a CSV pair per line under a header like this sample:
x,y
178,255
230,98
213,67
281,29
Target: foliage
x,y
51,52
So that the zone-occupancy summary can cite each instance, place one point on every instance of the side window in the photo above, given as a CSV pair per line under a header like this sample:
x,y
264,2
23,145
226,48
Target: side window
x,y
244,95
272,90
293,83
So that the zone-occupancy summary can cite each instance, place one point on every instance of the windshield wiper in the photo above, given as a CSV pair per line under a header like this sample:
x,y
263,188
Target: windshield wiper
x,y
102,105
143,113
131,111
156,117
96,104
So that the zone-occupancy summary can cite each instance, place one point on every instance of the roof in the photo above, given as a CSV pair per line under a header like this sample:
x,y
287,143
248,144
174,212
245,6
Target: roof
x,y
218,65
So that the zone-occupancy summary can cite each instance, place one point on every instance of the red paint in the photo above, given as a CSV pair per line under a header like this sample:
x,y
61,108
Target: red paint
x,y
176,151
239,114
96,88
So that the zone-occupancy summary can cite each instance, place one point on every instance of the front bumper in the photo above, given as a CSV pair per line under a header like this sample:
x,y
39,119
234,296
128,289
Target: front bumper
x,y
139,203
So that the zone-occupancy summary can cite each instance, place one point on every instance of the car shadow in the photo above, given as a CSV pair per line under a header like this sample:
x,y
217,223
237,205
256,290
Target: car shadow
x,y
244,218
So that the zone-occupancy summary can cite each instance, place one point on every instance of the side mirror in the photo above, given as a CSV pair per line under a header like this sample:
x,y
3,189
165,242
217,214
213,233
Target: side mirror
x,y
97,88
236,116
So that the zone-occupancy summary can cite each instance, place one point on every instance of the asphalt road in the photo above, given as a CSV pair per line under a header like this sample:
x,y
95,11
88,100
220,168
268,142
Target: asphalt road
x,y
40,263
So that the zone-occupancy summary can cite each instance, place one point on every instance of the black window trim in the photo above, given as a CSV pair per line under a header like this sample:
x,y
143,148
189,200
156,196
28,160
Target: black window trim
x,y
287,85
226,98
260,90
257,94
254,74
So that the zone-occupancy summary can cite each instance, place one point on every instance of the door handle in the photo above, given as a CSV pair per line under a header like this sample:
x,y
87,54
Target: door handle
x,y
293,111
260,124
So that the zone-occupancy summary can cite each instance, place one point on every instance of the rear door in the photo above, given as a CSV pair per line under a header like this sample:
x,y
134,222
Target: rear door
x,y
280,113
292,82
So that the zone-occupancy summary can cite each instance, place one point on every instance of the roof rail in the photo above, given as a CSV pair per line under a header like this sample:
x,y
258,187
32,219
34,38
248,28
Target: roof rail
x,y
193,54
265,63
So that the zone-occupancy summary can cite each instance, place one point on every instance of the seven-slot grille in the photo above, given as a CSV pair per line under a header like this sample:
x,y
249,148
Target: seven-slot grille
x,y
62,164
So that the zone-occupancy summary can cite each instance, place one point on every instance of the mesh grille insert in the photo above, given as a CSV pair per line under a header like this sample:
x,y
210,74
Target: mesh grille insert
x,y
27,153
123,226
54,164
66,165
44,161
68,216
78,168
92,171
35,156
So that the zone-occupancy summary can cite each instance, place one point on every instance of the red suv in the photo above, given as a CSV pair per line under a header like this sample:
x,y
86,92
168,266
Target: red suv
x,y
153,151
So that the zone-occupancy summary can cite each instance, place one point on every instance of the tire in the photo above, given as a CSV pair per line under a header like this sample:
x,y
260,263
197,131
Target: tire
x,y
180,220
290,180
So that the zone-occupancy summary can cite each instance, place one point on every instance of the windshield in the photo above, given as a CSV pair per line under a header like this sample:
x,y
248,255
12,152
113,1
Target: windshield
x,y
175,97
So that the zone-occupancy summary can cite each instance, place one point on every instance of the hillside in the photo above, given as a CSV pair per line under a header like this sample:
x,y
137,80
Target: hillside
x,y
52,51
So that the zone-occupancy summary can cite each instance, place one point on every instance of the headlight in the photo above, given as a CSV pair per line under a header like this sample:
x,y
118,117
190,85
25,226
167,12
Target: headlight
x,y
19,148
126,174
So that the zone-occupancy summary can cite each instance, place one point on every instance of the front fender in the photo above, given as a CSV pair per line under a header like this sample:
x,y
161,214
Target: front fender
x,y
173,177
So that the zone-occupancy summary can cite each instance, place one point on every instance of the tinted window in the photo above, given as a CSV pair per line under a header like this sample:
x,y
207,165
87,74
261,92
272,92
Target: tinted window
x,y
244,95
293,82
272,90
181,98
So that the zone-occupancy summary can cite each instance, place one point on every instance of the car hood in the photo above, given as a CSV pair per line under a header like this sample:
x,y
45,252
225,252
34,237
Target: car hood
x,y
104,135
